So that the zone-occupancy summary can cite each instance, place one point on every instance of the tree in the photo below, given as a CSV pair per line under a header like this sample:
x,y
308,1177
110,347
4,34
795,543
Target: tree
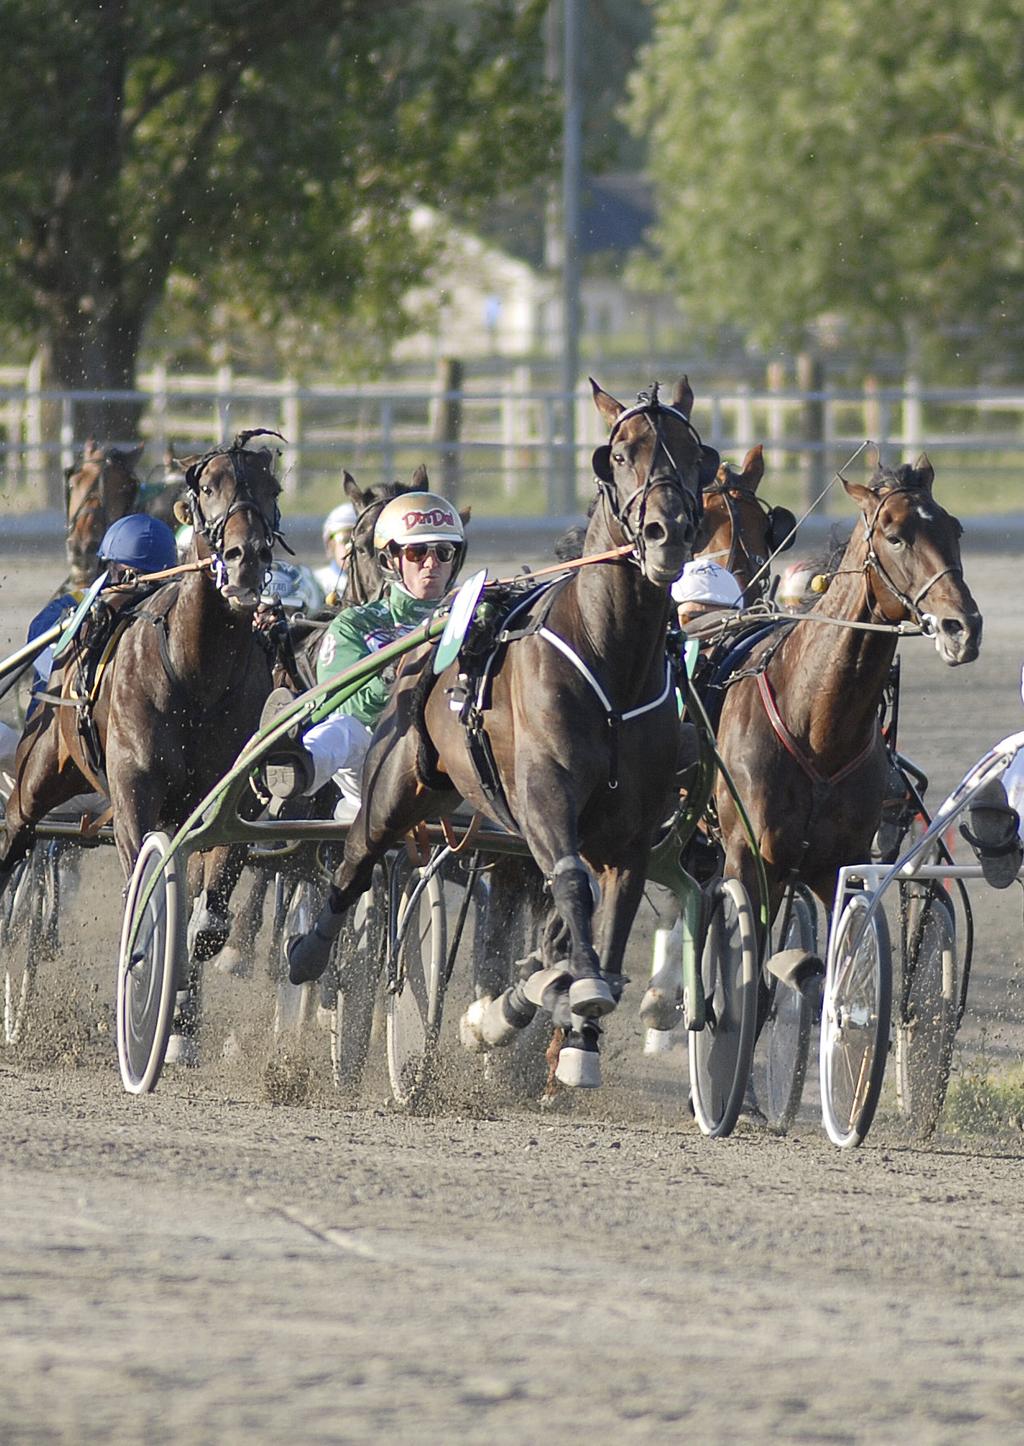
x,y
821,156
268,153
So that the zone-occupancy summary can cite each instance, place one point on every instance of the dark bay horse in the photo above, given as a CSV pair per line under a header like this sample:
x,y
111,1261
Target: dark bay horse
x,y
581,720
739,530
801,736
98,490
187,682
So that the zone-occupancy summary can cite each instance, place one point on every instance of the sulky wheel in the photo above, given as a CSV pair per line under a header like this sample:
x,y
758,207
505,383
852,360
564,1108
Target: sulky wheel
x,y
21,927
153,952
416,984
927,1021
787,1031
357,959
722,1052
855,1014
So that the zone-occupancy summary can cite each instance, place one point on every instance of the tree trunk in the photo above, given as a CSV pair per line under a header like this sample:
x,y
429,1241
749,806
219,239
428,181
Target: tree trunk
x,y
98,354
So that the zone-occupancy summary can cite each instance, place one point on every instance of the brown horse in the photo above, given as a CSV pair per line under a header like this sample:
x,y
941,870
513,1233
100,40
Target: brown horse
x,y
739,530
186,685
799,729
97,491
575,770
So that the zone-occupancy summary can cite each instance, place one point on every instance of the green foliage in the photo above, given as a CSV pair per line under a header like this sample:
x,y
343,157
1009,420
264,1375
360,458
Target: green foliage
x,y
820,156
265,156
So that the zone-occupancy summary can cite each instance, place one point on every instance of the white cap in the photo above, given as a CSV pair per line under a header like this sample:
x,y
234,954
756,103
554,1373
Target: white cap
x,y
704,581
340,517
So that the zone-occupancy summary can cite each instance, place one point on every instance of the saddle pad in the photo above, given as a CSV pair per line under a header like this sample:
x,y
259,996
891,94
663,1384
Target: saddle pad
x,y
727,661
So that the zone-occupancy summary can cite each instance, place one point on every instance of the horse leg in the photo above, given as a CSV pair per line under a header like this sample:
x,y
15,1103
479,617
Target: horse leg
x,y
394,802
40,786
210,924
579,1062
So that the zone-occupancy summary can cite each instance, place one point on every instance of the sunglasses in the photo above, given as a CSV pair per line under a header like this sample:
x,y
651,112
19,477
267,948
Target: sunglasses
x,y
417,551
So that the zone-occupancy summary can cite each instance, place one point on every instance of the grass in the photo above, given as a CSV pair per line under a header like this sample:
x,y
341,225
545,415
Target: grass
x,y
980,1103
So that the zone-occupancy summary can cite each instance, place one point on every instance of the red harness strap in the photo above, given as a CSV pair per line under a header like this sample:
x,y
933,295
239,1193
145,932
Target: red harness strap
x,y
793,748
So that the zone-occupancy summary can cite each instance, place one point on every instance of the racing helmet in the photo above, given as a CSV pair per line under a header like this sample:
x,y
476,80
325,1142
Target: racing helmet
x,y
707,583
795,583
140,542
292,587
416,517
340,519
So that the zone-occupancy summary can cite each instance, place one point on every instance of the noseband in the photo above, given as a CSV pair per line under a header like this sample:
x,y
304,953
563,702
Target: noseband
x,y
649,407
872,560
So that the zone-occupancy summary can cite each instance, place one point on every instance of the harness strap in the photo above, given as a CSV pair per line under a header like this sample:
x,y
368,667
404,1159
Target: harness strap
x,y
793,748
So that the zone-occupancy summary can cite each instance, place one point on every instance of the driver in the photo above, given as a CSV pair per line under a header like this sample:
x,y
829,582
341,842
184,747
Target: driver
x,y
337,536
419,545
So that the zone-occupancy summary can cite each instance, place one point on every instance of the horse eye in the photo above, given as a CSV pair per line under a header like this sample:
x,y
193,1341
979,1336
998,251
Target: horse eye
x,y
619,457
895,541
206,491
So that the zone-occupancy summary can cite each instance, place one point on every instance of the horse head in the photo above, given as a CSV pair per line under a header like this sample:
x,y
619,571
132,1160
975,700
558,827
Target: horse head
x,y
650,475
231,500
363,581
97,491
739,530
911,559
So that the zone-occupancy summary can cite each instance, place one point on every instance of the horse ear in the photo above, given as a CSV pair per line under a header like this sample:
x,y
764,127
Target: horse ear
x,y
352,490
420,480
606,404
682,396
925,471
873,456
753,468
465,513
863,496
91,452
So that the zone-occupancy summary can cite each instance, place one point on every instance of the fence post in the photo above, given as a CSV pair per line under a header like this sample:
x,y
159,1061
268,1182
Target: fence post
x,y
553,452
775,379
222,412
913,418
810,379
67,432
744,418
387,439
158,411
291,428
448,423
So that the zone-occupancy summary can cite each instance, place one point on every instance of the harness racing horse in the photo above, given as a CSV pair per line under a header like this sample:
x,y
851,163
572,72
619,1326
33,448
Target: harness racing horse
x,y
584,783
739,530
99,490
185,686
799,727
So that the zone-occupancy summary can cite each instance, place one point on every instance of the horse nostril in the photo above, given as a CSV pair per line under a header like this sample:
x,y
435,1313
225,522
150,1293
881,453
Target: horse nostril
x,y
655,532
952,626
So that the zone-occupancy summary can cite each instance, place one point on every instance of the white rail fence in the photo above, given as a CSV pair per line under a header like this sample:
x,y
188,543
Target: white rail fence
x,y
500,442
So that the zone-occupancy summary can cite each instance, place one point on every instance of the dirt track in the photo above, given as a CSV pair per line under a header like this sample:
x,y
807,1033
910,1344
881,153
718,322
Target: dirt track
x,y
212,1264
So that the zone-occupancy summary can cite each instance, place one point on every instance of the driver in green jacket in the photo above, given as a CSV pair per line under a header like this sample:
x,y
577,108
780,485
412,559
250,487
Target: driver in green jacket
x,y
420,544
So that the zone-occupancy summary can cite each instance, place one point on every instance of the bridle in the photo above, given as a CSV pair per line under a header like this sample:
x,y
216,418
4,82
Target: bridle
x,y
654,412
873,561
212,530
95,499
738,554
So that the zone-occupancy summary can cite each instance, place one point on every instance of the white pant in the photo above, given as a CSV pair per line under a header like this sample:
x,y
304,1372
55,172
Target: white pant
x,y
1013,782
338,747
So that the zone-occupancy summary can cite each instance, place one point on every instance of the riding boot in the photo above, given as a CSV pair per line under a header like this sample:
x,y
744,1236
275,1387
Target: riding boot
x,y
309,954
993,834
289,770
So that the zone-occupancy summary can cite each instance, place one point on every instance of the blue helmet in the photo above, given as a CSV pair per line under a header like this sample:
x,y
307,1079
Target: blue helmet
x,y
140,542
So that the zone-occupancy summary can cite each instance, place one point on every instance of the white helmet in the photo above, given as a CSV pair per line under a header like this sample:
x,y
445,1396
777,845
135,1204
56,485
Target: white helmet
x,y
340,519
293,587
417,517
708,583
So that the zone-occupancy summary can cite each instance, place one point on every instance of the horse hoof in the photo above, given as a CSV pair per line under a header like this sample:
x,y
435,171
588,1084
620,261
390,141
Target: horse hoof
x,y
308,956
660,1010
471,1026
182,1051
591,997
579,1062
